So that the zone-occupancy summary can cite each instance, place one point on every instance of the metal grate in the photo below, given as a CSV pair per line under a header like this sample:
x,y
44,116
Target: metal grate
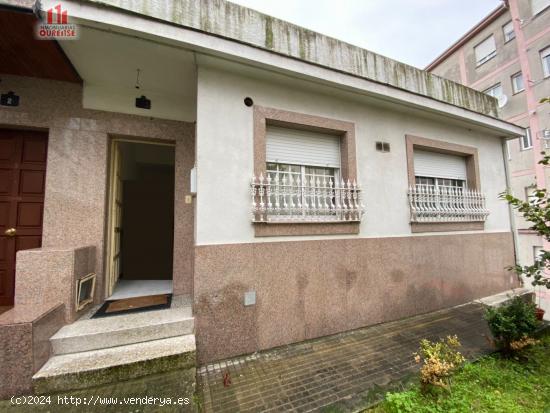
x,y
429,203
288,198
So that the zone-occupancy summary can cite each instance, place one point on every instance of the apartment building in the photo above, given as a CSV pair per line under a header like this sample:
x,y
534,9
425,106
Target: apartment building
x,y
507,55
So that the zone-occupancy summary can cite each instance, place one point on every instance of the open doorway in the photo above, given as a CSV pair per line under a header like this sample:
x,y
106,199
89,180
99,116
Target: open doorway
x,y
141,220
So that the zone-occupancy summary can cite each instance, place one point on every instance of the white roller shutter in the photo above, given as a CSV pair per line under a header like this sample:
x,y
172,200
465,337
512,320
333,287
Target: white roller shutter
x,y
485,49
298,147
439,165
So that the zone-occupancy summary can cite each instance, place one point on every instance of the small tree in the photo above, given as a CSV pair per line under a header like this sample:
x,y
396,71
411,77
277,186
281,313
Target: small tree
x,y
535,210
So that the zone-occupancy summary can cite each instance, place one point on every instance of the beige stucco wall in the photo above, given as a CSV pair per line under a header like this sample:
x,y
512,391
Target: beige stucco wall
x,y
76,176
383,176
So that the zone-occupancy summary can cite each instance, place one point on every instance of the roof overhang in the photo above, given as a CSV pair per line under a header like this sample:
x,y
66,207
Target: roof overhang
x,y
24,55
99,16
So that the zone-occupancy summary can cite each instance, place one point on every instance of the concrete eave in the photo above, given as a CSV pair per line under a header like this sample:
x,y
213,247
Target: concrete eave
x,y
119,16
246,26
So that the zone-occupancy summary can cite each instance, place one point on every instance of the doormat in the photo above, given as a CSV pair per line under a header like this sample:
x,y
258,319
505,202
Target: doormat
x,y
134,305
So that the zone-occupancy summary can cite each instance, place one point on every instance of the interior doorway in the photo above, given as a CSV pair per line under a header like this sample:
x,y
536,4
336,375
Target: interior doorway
x,y
140,241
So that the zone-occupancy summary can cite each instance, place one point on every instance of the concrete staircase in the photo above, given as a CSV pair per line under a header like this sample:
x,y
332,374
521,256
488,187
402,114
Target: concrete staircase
x,y
92,352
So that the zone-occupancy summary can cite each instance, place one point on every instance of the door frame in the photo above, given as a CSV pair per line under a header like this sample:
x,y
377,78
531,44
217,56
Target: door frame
x,y
109,232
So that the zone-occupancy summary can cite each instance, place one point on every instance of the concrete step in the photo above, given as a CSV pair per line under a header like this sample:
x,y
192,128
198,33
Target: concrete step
x,y
97,367
499,299
120,330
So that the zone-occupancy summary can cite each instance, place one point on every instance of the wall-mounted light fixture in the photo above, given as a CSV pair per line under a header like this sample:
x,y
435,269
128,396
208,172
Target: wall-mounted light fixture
x,y
9,99
143,103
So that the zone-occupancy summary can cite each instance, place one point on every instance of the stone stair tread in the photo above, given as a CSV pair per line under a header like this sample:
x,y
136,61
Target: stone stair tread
x,y
123,322
501,298
115,356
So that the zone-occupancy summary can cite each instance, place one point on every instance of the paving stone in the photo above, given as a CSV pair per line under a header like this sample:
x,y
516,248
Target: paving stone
x,y
345,370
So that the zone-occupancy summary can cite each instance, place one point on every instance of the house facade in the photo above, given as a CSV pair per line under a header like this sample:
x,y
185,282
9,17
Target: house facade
x,y
507,55
290,185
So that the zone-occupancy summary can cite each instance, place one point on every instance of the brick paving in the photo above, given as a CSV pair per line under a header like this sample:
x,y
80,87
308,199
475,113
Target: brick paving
x,y
343,372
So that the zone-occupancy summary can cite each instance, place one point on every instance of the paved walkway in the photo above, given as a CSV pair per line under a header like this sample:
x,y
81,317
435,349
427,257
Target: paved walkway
x,y
338,373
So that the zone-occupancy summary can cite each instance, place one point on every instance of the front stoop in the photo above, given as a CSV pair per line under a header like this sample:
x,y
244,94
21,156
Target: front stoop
x,y
98,367
96,352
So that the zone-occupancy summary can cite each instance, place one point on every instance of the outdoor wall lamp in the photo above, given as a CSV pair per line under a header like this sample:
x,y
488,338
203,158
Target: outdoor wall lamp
x,y
9,99
143,103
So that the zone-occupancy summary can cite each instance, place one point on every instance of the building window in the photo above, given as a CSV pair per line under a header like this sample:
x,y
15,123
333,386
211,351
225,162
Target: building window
x,y
526,141
508,31
441,193
302,198
485,50
303,181
494,91
530,192
545,57
539,5
517,82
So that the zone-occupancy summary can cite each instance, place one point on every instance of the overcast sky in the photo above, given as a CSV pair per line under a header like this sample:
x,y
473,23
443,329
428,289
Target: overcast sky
x,y
411,31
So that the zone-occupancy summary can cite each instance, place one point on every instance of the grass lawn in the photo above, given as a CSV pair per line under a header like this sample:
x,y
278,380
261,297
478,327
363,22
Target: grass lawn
x,y
492,384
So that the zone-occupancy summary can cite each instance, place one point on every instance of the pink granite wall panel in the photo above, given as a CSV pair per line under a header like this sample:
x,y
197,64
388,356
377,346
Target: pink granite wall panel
x,y
24,345
308,289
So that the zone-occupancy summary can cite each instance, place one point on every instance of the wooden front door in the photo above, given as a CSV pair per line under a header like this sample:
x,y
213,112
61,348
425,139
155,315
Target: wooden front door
x,y
22,181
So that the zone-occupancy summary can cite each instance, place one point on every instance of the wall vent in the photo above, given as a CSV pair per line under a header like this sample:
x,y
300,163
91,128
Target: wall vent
x,y
382,146
85,288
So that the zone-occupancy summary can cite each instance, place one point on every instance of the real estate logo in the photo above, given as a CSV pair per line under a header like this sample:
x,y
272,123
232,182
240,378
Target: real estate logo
x,y
56,24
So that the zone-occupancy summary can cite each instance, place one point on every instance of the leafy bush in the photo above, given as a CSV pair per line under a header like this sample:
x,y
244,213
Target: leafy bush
x,y
492,384
512,323
440,360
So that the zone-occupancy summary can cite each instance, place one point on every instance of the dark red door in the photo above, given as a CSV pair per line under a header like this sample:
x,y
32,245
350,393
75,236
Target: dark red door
x,y
22,182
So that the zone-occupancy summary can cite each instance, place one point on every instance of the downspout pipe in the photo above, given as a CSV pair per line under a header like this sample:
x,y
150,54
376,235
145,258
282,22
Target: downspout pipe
x,y
511,212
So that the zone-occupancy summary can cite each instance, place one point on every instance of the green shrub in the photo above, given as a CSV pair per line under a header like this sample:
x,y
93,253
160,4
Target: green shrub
x,y
440,359
511,323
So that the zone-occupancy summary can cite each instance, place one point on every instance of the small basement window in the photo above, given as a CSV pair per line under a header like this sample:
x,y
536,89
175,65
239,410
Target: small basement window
x,y
85,288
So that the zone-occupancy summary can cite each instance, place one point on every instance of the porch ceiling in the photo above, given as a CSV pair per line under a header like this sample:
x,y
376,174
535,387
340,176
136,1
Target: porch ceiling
x,y
23,55
108,63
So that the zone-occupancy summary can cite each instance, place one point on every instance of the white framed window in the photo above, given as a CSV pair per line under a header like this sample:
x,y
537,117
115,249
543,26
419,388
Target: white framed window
x,y
303,181
517,82
539,5
526,141
302,178
441,193
485,50
530,192
440,182
537,252
545,59
494,91
508,31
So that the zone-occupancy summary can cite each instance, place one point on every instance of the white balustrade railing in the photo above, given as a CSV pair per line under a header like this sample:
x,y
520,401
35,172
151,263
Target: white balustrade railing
x,y
430,203
288,198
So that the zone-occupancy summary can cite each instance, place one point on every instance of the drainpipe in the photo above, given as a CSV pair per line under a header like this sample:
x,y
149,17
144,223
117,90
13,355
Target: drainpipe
x,y
511,212
532,104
